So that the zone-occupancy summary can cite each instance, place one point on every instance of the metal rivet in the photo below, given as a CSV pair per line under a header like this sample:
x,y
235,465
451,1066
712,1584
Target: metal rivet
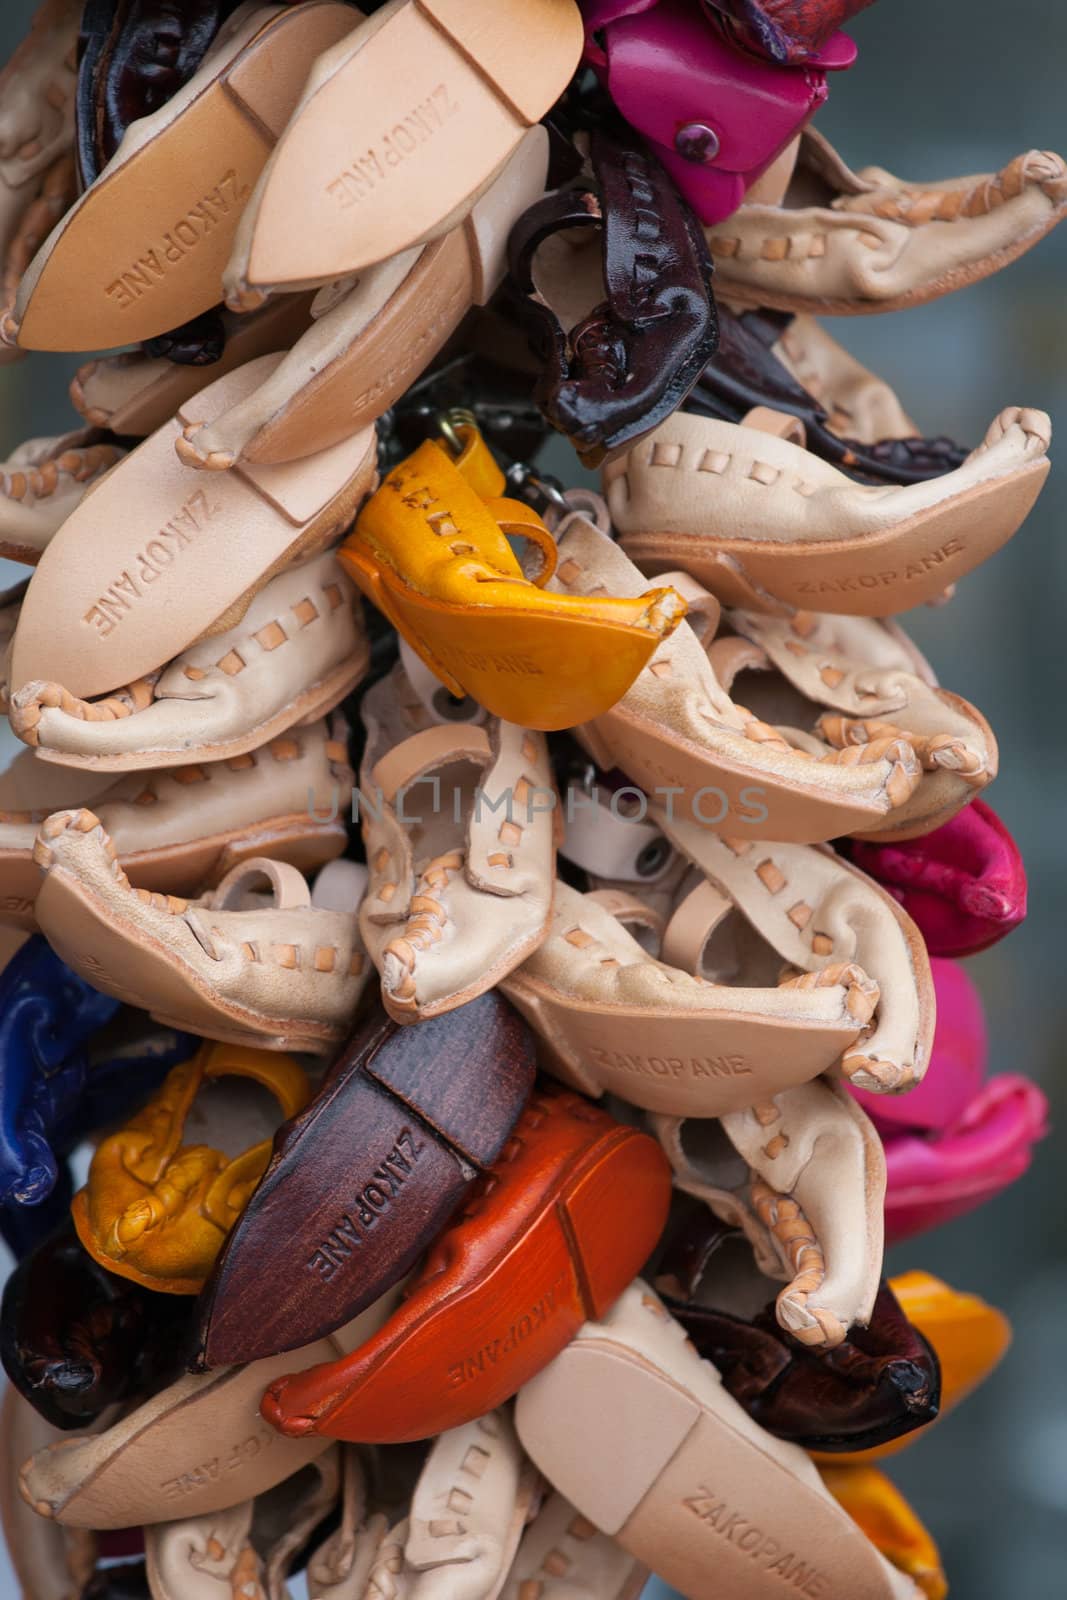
x,y
696,142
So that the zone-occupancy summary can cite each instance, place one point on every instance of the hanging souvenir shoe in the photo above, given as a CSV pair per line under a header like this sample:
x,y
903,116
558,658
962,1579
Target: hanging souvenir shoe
x,y
873,242
42,482
144,248
634,1368
357,178
504,1288
431,550
260,961
763,523
434,1106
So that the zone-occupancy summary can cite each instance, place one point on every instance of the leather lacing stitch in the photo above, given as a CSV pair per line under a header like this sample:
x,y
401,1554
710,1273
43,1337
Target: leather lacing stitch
x,y
58,191
78,464
460,1499
324,958
787,1224
718,463
557,1563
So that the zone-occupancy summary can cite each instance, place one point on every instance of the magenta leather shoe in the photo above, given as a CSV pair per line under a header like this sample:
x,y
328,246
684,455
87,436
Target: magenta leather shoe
x,y
964,884
958,1138
714,114
787,31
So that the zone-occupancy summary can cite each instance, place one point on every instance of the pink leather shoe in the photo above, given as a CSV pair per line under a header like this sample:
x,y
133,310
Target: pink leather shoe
x,y
717,116
958,1138
964,884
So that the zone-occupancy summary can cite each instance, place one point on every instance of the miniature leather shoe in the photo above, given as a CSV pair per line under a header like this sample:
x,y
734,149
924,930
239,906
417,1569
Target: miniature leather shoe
x,y
763,523
37,92
470,97
159,1202
872,242
963,884
714,113
181,828
109,575
630,1389
143,249
77,1339
458,829
850,417
677,730
563,1557
49,1562
431,550
620,309
340,1567
272,969
780,1172
504,1287
299,649
372,336
40,485
882,1382
247,1549
134,393
613,1019
435,1106
879,1508
194,1448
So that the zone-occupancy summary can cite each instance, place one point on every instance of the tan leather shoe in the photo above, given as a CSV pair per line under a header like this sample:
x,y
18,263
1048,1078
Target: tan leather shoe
x,y
298,650
358,177
271,969
41,483
143,249
781,1171
197,1448
763,523
458,823
736,1534
873,242
182,828
563,1557
372,336
50,1562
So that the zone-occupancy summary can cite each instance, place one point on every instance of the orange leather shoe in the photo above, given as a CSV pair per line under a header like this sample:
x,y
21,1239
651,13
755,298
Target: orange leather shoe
x,y
430,549
565,1219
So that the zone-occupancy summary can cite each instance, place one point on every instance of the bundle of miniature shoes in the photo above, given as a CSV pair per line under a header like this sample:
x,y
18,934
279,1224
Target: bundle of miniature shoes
x,y
500,940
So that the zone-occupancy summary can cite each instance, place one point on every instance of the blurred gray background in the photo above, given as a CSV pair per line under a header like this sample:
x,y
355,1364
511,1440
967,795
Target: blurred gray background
x,y
956,86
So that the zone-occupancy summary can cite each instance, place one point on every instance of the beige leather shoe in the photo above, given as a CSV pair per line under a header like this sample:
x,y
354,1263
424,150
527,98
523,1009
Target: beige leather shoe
x,y
764,523
277,969
181,828
803,1174
634,1428
159,557
339,1569
197,1448
298,650
248,1549
563,1557
855,242
678,730
458,823
50,1562
371,337
41,483
37,87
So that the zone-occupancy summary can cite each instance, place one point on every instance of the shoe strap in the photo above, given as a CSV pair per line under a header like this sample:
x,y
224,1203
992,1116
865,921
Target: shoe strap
x,y
287,885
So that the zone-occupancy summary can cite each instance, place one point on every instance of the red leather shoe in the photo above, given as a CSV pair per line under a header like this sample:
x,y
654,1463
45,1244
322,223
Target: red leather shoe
x,y
564,1221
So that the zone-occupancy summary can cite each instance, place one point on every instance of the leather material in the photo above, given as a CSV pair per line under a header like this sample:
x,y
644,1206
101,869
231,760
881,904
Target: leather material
x,y
154,218
473,97
76,1339
788,30
299,649
963,884
181,828
42,482
878,1507
431,550
623,322
634,1368
882,1382
505,1286
874,242
158,1206
434,1106
50,1562
563,1555
458,828
268,969
765,524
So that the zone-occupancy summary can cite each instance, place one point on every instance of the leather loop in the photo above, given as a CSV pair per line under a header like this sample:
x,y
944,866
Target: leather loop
x,y
476,464
606,844
703,611
433,747
288,886
777,423
692,925
520,521
629,910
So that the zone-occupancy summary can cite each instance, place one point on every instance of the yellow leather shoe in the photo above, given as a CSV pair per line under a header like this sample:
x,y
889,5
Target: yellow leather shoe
x,y
890,1523
157,1210
431,550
